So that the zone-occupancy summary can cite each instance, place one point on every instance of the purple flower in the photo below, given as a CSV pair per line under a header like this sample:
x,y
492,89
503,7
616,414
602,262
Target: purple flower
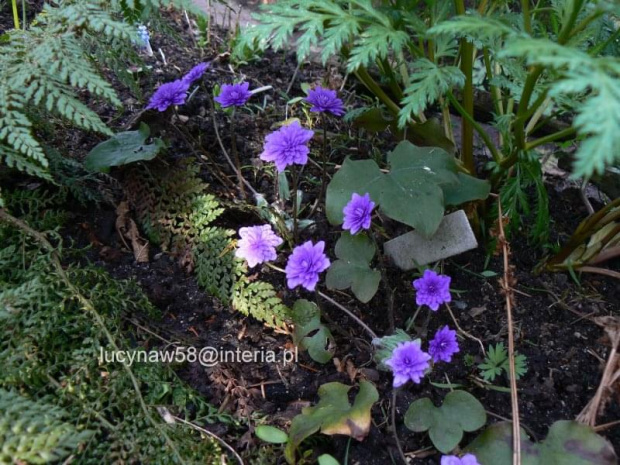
x,y
325,100
467,459
443,345
258,244
432,289
234,95
305,264
171,93
287,145
408,362
357,213
196,72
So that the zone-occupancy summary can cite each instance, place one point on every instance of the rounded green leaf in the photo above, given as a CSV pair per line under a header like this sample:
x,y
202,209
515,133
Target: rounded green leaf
x,y
327,459
465,410
271,434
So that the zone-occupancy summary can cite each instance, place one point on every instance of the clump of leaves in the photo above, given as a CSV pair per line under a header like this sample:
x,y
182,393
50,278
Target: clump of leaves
x,y
567,443
334,415
460,412
496,362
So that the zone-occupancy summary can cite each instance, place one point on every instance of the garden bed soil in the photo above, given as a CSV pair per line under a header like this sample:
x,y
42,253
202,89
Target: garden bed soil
x,y
565,351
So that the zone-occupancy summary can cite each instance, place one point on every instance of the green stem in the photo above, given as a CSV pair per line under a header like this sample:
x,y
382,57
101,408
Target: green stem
x,y
15,14
527,19
496,93
412,319
295,179
233,143
467,67
479,129
550,138
325,159
362,74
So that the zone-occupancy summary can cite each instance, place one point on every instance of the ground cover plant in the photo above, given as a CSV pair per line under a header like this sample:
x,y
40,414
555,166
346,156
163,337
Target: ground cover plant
x,y
251,230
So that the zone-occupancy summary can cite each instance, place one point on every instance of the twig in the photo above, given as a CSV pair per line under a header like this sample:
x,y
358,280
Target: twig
x,y
350,313
394,433
87,305
610,374
465,333
225,152
506,284
598,270
205,431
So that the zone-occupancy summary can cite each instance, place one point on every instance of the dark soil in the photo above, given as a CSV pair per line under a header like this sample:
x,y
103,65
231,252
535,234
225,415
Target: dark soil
x,y
565,351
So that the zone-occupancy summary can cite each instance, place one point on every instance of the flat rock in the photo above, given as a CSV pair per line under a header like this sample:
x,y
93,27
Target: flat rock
x,y
454,236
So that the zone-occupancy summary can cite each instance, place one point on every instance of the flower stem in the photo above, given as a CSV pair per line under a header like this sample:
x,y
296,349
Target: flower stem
x,y
295,178
412,319
325,160
233,143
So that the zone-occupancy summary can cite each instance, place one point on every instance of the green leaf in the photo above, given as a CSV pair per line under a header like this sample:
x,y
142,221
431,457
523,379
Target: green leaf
x,y
361,176
271,434
352,269
468,189
373,120
327,459
567,443
460,412
412,190
307,319
334,414
123,148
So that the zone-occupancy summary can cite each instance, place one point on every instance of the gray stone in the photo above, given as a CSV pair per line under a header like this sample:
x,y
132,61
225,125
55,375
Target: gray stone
x,y
454,236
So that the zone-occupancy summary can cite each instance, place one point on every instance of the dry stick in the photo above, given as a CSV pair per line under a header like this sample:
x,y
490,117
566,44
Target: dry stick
x,y
589,413
398,445
603,271
225,152
86,304
462,331
213,435
350,313
514,399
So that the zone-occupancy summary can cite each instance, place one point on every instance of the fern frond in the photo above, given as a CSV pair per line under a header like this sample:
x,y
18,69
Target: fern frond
x,y
82,16
35,432
428,82
376,42
260,300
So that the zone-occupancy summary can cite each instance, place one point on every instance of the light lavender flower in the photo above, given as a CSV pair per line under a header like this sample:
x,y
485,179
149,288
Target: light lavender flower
x,y
234,95
444,345
357,213
305,264
257,244
196,72
408,363
171,93
432,289
288,145
325,101
467,459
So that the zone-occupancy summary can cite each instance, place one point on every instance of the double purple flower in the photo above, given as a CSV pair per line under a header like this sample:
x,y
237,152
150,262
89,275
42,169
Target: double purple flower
x,y
443,345
305,264
325,101
170,93
234,95
467,459
432,289
175,92
357,213
257,244
288,145
408,363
